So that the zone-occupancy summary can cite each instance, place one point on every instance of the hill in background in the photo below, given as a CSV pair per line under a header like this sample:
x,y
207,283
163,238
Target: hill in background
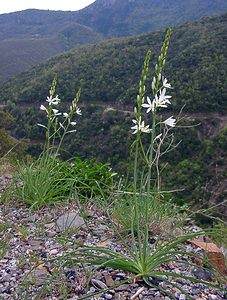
x,y
29,37
109,71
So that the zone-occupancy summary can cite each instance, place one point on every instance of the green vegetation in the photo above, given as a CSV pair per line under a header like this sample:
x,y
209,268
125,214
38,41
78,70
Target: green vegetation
x,y
123,18
48,180
52,32
109,71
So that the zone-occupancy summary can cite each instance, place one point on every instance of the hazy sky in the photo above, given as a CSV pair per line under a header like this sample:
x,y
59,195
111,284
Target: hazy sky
x,y
16,5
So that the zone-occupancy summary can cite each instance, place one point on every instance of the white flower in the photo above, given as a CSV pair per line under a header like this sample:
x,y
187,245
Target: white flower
x,y
78,111
66,115
56,112
162,100
53,101
73,123
149,105
140,126
166,84
170,122
42,107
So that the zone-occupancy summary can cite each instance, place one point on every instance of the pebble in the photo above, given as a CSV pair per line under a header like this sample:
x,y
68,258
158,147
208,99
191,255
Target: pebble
x,y
41,245
108,296
212,297
53,252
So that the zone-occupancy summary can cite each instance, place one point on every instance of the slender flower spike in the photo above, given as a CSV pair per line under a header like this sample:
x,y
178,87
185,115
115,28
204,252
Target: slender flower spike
x,y
170,122
54,101
42,107
78,111
166,84
149,105
73,123
140,126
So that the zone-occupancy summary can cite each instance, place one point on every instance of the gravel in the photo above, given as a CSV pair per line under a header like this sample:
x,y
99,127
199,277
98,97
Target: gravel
x,y
30,246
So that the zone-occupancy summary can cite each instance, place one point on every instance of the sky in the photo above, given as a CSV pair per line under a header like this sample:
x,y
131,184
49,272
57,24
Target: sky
x,y
7,6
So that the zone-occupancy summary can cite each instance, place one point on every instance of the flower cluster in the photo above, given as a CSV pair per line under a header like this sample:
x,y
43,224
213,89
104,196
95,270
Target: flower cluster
x,y
53,113
140,126
161,100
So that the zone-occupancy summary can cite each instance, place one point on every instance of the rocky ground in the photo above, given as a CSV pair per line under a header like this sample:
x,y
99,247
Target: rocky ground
x,y
31,243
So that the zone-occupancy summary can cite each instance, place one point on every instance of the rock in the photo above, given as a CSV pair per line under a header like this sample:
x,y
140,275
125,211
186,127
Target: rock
x,y
99,284
69,221
203,274
182,297
108,296
53,252
214,254
51,233
38,277
213,297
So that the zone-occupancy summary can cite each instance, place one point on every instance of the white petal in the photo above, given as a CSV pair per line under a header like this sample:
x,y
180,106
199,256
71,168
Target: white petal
x,y
41,125
42,107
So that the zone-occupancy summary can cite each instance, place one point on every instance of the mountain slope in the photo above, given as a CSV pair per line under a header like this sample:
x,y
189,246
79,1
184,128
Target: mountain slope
x,y
130,17
26,30
110,71
29,37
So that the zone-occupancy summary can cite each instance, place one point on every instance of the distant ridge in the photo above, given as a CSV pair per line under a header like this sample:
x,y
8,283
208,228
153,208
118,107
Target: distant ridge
x,y
29,37
109,71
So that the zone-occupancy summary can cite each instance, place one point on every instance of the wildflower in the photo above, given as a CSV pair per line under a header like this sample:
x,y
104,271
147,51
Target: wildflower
x,y
42,107
56,112
166,84
53,101
162,100
66,115
149,105
73,123
170,122
140,126
78,111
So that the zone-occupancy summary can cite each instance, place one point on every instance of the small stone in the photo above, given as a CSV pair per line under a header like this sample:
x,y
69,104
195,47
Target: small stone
x,y
51,233
212,297
53,252
182,297
123,287
195,291
122,275
99,284
108,296
38,277
69,221
6,278
202,274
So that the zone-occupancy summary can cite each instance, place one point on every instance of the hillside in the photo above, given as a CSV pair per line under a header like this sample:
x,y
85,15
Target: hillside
x,y
130,17
28,30
110,71
29,37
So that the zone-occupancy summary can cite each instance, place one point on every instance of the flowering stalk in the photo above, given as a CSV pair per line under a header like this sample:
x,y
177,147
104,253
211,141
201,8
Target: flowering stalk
x,y
55,128
156,102
160,100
